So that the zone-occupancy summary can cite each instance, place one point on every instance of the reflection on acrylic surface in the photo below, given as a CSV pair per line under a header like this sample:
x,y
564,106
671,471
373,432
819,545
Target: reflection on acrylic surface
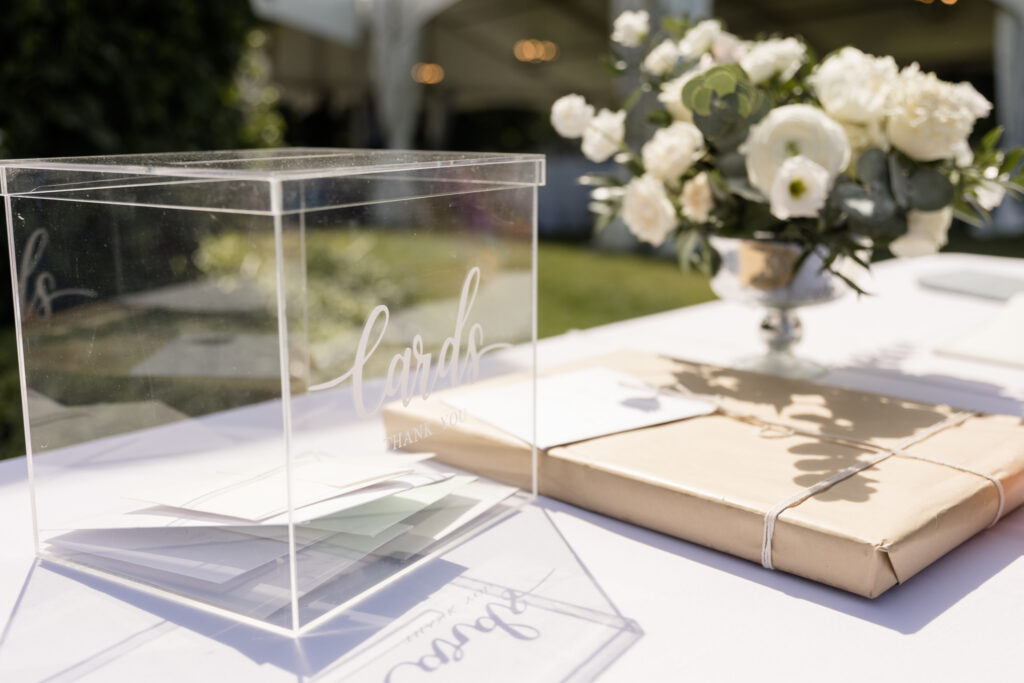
x,y
511,604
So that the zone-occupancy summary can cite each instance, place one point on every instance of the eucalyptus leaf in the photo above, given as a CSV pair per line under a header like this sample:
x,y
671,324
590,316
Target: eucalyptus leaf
x,y
660,117
687,245
990,140
742,187
873,168
899,180
732,164
1012,159
757,217
928,189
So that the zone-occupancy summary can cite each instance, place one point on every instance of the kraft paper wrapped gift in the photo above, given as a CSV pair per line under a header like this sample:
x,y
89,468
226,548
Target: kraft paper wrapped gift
x,y
719,479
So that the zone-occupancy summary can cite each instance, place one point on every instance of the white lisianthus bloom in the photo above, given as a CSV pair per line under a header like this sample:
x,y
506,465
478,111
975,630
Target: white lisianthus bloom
x,y
780,57
647,210
854,87
672,151
661,59
794,130
671,94
927,232
696,199
929,119
570,116
728,48
700,38
604,135
630,28
800,189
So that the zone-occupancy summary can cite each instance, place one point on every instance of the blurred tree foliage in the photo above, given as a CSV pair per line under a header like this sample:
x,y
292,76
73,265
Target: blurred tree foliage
x,y
81,77
119,76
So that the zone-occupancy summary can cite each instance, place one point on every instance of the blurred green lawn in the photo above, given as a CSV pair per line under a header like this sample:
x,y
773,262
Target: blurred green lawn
x,y
578,288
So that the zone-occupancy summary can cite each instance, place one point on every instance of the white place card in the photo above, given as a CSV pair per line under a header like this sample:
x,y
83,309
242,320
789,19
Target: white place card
x,y
372,518
576,406
259,494
999,341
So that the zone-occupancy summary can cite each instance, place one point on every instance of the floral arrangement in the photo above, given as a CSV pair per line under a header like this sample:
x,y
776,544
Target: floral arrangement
x,y
756,139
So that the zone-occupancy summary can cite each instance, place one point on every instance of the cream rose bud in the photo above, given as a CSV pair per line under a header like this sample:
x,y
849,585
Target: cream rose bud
x,y
570,116
672,150
927,232
854,87
800,189
671,95
929,119
780,57
989,194
661,59
604,135
794,130
647,210
863,137
631,28
700,38
696,199
728,48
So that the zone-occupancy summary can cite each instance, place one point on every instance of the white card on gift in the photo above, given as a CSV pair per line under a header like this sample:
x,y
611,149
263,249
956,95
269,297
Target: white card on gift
x,y
576,406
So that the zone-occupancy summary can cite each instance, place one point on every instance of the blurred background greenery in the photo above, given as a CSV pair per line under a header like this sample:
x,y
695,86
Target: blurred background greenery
x,y
84,77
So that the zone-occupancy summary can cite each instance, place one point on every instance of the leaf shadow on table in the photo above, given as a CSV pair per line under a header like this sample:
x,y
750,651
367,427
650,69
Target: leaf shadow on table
x,y
436,623
886,366
855,416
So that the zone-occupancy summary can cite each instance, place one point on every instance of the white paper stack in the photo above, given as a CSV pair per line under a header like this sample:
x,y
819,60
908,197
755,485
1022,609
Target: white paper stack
x,y
224,538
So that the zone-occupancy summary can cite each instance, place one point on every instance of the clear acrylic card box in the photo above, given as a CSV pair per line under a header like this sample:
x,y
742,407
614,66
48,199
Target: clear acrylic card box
x,y
206,341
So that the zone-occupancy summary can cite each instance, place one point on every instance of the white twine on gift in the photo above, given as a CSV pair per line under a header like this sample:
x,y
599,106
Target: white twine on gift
x,y
951,421
776,430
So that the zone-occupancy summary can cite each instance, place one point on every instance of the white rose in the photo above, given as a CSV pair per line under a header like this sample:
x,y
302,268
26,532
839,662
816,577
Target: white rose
x,y
661,59
854,87
696,198
929,119
800,189
963,155
647,210
671,94
926,233
794,130
604,135
780,57
570,116
700,38
728,48
630,28
672,150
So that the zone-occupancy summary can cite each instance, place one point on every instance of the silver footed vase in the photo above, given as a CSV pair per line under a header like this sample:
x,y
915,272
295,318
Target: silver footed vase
x,y
760,273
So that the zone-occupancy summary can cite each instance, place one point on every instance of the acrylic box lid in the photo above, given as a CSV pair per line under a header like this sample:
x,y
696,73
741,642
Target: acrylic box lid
x,y
268,181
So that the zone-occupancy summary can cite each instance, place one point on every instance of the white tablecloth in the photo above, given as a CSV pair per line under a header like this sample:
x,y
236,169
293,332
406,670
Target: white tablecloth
x,y
705,616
